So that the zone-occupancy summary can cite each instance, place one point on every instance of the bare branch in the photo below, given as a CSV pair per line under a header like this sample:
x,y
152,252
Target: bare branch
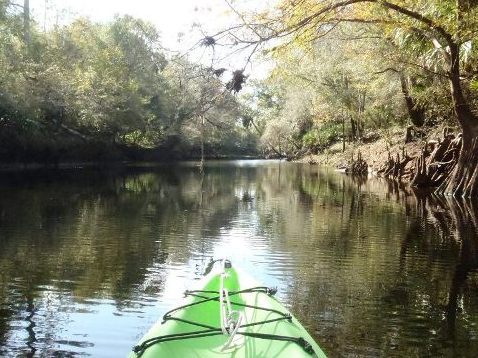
x,y
243,19
250,56
417,16
322,14
389,69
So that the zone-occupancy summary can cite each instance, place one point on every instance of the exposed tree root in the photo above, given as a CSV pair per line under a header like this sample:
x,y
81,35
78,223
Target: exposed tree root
x,y
395,168
463,179
358,166
433,167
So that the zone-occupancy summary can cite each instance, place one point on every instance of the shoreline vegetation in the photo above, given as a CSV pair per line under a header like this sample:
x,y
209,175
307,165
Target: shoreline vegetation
x,y
102,92
113,163
355,84
376,153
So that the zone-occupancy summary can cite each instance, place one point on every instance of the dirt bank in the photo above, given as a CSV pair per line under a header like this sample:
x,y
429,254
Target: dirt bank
x,y
375,153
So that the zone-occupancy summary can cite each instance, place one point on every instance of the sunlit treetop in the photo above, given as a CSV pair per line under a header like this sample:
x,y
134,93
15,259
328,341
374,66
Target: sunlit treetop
x,y
304,21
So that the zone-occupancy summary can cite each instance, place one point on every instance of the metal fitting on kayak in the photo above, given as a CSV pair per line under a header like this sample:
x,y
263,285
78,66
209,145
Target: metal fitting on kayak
x,y
306,345
271,291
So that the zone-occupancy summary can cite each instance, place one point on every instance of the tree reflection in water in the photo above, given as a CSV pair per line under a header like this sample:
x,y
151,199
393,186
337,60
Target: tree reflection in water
x,y
455,221
360,304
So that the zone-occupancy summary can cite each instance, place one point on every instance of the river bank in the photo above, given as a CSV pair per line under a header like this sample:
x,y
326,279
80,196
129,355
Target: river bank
x,y
376,152
100,154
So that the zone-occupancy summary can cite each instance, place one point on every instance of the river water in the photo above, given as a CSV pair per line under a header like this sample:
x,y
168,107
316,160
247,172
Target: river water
x,y
90,259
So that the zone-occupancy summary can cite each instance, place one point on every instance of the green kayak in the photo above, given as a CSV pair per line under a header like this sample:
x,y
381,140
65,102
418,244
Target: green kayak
x,y
228,314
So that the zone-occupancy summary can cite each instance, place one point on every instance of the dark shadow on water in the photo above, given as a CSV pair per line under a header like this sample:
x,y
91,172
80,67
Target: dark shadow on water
x,y
464,219
457,223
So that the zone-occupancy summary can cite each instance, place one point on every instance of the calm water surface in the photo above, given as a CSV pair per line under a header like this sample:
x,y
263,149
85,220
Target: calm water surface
x,y
89,259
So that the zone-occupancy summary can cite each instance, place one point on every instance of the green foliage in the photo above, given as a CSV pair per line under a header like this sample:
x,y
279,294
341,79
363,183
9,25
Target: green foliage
x,y
320,138
87,83
373,63
319,87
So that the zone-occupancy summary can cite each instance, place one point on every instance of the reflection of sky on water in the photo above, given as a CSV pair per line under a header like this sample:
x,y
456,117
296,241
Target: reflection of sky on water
x,y
239,243
61,325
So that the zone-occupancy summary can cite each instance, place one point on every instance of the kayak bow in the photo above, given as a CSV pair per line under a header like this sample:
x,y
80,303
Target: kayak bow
x,y
228,315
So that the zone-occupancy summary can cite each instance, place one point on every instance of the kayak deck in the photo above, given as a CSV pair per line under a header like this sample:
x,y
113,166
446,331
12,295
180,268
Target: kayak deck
x,y
194,329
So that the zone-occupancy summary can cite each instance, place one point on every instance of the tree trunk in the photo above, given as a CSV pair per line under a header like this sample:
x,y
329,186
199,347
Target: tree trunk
x,y
361,111
343,132
201,165
416,113
464,179
26,21
353,126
